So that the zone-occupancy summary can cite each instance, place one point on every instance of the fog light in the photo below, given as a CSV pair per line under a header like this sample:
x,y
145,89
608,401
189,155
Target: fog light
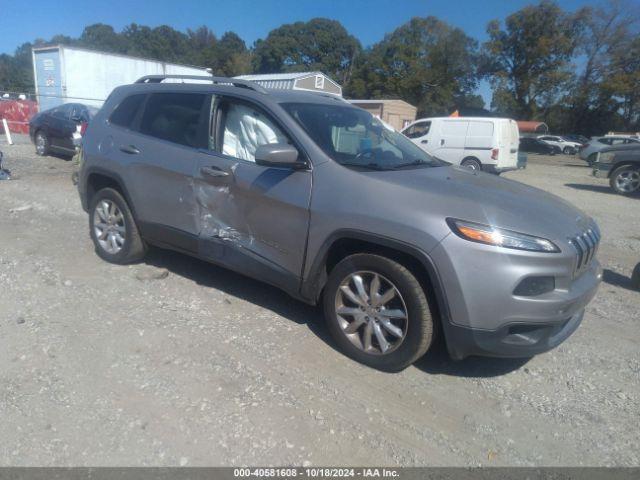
x,y
532,286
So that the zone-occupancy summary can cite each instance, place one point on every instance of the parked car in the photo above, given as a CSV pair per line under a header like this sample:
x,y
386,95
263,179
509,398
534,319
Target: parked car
x,y
315,196
479,143
572,137
568,147
533,145
53,130
597,144
621,165
4,173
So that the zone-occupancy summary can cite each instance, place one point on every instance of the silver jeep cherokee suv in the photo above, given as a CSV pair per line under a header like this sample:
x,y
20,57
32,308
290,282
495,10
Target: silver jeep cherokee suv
x,y
319,198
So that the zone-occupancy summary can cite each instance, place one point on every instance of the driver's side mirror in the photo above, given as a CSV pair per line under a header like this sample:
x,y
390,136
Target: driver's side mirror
x,y
278,155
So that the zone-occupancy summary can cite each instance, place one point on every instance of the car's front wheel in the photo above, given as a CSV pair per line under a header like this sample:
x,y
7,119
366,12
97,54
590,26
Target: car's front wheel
x,y
377,311
113,229
625,180
568,151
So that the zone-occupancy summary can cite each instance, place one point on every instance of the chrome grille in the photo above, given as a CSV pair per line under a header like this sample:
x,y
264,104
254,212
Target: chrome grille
x,y
586,245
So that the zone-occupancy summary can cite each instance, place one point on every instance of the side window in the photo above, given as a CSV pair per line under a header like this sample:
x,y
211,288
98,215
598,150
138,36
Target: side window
x,y
77,113
175,117
124,113
606,141
62,112
617,141
245,129
418,130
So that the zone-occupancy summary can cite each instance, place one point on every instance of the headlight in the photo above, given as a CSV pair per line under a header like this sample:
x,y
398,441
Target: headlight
x,y
606,157
499,237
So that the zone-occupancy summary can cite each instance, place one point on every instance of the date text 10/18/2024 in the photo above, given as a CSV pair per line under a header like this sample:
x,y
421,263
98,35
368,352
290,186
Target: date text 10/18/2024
x,y
315,472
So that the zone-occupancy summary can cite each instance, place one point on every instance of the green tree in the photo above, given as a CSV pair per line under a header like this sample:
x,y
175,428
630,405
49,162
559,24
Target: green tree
x,y
233,58
102,37
425,62
319,44
203,43
528,62
623,82
604,37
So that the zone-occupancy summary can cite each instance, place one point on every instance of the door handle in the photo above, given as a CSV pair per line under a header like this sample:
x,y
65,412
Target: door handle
x,y
130,149
424,141
213,172
441,141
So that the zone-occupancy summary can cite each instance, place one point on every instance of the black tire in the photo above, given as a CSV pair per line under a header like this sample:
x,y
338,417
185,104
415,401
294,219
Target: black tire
x,y
42,149
419,324
635,277
472,164
134,248
568,151
616,180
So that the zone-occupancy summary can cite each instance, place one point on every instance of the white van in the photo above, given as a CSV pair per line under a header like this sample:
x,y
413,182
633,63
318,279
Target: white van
x,y
480,143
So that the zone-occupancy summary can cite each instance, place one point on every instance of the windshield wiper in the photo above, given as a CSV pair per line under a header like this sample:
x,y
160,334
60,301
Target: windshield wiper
x,y
415,163
370,166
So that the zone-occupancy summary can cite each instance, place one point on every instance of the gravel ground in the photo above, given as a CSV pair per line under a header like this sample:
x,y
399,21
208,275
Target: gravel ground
x,y
177,362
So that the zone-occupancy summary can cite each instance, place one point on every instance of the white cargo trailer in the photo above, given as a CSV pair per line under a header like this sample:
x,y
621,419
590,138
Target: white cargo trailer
x,y
65,74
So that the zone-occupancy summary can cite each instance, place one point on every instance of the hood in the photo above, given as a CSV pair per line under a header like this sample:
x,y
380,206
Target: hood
x,y
484,198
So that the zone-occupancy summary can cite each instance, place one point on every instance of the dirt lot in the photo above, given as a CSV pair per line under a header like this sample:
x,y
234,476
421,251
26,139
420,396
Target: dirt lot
x,y
176,362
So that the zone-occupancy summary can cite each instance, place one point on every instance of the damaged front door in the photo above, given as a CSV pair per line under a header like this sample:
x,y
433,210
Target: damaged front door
x,y
253,219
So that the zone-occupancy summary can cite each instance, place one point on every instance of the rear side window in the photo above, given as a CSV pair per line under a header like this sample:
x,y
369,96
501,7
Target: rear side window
x,y
175,117
124,113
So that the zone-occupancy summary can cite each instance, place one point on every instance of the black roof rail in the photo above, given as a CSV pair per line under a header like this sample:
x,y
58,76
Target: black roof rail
x,y
217,80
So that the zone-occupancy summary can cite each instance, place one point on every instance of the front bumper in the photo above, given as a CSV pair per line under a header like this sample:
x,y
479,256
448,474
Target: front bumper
x,y
485,317
516,340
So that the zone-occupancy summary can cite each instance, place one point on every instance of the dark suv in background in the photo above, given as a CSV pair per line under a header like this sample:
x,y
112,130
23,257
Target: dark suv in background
x,y
319,198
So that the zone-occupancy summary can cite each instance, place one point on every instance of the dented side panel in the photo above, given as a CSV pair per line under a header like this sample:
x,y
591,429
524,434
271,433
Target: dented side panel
x,y
161,179
252,218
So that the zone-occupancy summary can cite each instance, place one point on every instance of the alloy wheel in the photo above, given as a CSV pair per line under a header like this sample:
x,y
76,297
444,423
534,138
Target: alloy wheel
x,y
41,144
109,227
628,181
371,312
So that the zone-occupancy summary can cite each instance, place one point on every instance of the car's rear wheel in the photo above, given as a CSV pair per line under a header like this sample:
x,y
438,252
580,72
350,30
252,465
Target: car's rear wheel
x,y
113,230
42,143
377,311
625,180
472,164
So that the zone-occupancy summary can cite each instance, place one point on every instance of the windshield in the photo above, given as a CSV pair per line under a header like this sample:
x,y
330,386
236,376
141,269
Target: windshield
x,y
355,138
